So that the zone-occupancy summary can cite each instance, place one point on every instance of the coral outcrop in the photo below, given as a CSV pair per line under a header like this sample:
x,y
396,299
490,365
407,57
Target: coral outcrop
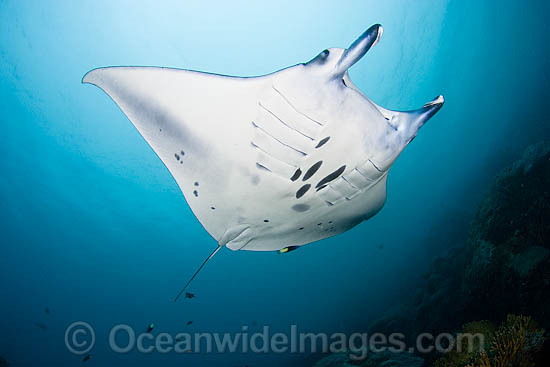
x,y
515,343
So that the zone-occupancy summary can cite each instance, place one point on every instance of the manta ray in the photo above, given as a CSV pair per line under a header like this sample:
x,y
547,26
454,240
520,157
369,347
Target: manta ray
x,y
270,162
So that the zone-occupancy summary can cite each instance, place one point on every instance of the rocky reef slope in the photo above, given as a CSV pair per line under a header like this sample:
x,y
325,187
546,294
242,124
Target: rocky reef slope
x,y
504,268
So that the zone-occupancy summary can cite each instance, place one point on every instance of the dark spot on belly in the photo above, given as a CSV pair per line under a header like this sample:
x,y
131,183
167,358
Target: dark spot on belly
x,y
323,142
212,208
196,193
302,191
296,175
301,228
182,153
311,171
300,207
334,175
266,220
196,184
177,156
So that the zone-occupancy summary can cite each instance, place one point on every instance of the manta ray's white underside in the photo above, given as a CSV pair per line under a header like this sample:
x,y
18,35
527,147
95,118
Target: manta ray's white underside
x,y
240,151
274,161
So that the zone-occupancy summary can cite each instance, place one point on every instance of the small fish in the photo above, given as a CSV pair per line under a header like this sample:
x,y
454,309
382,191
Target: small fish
x,y
150,327
189,323
287,249
189,295
40,326
381,246
87,358
47,311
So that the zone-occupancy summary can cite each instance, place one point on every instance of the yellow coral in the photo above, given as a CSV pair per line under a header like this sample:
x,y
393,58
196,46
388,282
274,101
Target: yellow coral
x,y
482,360
513,344
514,341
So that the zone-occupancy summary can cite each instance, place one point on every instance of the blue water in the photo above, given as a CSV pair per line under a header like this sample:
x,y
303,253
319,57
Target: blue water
x,y
94,228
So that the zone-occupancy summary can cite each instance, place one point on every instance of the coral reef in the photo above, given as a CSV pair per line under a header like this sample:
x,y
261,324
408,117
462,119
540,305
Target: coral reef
x,y
514,343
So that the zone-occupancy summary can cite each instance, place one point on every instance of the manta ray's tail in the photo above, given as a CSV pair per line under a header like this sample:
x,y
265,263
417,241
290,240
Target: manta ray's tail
x,y
197,272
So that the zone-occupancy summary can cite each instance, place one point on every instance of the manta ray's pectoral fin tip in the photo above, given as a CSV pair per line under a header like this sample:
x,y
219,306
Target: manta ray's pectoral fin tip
x,y
97,75
88,78
85,78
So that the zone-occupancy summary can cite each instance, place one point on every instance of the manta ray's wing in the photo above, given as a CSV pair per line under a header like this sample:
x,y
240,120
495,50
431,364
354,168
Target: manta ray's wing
x,y
218,137
191,120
